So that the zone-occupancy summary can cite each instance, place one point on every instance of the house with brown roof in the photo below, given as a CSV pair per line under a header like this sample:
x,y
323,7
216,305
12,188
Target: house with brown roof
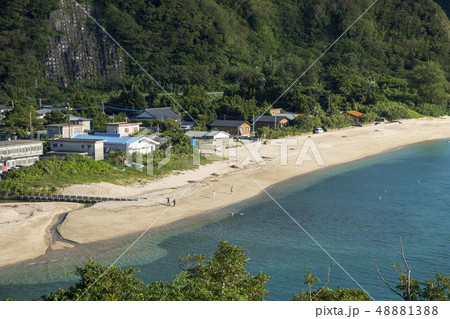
x,y
235,128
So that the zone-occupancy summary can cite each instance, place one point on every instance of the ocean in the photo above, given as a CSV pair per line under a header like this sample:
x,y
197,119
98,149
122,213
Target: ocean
x,y
356,212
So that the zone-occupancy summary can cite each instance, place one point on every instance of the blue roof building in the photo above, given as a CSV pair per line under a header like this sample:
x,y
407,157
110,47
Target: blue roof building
x,y
115,142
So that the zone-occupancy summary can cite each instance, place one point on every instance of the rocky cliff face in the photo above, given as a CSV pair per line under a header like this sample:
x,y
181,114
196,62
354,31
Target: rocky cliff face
x,y
79,50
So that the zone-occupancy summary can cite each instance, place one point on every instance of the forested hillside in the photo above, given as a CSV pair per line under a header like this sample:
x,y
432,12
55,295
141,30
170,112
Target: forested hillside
x,y
398,51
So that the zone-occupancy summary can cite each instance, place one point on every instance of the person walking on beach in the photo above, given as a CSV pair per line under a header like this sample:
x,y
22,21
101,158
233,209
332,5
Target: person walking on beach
x,y
231,189
214,194
174,202
168,201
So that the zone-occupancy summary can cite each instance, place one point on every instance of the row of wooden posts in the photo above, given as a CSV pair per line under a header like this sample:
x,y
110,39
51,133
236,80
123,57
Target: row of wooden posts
x,y
71,198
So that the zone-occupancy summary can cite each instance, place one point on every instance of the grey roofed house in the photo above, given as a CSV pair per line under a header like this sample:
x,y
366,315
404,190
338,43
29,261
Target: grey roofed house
x,y
158,113
4,108
289,116
227,123
207,135
269,118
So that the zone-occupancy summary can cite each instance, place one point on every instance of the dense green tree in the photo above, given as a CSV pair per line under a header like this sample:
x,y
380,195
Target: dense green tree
x,y
430,81
325,293
306,122
19,118
131,99
98,282
55,117
223,277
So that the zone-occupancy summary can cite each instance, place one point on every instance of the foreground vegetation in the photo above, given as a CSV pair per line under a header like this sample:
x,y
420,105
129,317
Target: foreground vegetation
x,y
222,277
49,176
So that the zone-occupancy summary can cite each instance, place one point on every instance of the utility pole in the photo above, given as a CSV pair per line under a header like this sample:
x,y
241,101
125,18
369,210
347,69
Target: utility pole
x,y
253,125
68,121
103,106
31,128
40,103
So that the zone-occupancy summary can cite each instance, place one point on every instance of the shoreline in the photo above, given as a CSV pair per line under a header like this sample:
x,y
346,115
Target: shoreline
x,y
110,222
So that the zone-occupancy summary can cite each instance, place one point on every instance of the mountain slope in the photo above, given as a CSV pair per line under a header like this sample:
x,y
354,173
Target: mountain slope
x,y
218,43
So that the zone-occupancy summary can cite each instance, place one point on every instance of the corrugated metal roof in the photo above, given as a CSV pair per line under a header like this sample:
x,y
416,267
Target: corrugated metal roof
x,y
109,138
196,133
160,113
354,113
19,142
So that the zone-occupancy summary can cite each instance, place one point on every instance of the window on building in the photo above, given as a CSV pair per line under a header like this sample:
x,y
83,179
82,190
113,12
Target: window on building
x,y
55,145
127,130
60,145
82,146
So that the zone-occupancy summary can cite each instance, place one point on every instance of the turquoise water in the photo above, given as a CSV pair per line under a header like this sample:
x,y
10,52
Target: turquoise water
x,y
339,206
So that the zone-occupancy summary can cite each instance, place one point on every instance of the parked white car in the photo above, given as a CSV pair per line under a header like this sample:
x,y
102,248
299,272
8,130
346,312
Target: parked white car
x,y
318,130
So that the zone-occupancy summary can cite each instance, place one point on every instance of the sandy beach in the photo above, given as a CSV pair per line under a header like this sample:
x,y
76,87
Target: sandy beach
x,y
25,228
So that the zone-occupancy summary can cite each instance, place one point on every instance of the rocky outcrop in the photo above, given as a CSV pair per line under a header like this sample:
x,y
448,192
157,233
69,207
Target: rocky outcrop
x,y
78,50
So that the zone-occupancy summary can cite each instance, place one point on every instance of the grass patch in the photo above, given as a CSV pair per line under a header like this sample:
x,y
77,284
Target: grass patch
x,y
49,176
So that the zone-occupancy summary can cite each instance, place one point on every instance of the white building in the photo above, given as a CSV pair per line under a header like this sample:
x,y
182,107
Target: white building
x,y
114,142
213,135
65,146
19,153
209,141
122,128
64,130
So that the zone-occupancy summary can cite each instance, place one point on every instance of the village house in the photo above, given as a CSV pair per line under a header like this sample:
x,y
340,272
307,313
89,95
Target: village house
x,y
158,113
115,142
357,116
64,130
19,153
89,148
81,121
275,121
205,140
122,128
234,128
205,135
